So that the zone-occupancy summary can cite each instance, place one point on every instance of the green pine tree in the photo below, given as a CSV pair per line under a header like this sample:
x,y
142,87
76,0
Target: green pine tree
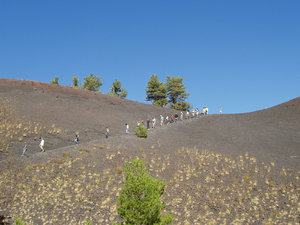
x,y
92,82
140,199
116,90
156,91
55,80
75,81
176,93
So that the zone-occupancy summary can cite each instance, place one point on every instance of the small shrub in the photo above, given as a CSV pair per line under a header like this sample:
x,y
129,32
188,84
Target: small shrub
x,y
119,170
60,161
139,201
141,131
55,80
65,154
88,223
19,221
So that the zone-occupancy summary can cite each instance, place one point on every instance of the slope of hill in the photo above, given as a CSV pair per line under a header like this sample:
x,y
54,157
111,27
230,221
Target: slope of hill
x,y
73,110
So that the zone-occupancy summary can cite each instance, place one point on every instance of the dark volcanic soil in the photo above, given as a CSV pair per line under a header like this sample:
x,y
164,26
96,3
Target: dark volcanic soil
x,y
270,135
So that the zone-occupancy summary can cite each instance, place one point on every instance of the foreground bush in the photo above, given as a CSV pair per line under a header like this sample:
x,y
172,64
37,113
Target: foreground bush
x,y
19,221
139,201
141,131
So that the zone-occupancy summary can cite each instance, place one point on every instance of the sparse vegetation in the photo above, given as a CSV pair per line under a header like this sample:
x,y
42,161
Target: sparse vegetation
x,y
140,198
204,188
14,128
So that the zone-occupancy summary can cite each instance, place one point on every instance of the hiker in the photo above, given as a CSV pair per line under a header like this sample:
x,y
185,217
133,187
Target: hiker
x,y
107,132
127,128
220,110
76,139
153,122
138,123
42,143
143,123
172,118
176,117
24,149
181,115
161,120
148,124
187,114
167,119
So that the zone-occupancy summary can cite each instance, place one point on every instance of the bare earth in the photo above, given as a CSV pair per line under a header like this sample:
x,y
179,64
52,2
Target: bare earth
x,y
270,136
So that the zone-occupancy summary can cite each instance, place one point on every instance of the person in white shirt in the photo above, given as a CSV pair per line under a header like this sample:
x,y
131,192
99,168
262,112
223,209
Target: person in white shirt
x,y
161,120
42,143
153,122
127,128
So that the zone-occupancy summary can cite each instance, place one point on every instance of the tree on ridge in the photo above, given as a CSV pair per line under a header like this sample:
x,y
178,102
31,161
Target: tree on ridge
x,y
156,91
116,90
92,82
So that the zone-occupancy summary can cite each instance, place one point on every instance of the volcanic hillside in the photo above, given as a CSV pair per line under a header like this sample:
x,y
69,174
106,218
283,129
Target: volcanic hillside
x,y
219,169
271,135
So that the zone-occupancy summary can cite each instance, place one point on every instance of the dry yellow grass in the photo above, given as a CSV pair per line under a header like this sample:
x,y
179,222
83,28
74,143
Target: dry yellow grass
x,y
204,188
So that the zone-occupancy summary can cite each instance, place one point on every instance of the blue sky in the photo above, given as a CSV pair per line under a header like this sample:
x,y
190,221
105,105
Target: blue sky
x,y
239,55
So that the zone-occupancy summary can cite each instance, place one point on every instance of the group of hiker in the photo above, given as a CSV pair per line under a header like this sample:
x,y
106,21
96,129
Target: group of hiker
x,y
164,120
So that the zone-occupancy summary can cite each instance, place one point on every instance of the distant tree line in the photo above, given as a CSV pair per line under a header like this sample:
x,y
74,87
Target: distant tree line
x,y
164,94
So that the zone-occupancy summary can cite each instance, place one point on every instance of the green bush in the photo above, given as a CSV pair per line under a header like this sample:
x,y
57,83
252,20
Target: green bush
x,y
88,223
55,81
141,131
19,221
139,201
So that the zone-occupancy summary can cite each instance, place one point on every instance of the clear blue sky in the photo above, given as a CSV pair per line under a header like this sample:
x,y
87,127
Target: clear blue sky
x,y
239,55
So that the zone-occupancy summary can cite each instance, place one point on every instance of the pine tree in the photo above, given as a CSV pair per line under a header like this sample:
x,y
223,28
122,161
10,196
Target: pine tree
x,y
75,81
156,91
176,93
92,82
55,81
116,90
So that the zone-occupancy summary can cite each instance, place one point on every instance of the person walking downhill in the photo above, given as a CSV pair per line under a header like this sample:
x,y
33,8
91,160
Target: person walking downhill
x,y
24,149
42,143
148,124
161,120
181,115
76,139
106,132
153,122
127,128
